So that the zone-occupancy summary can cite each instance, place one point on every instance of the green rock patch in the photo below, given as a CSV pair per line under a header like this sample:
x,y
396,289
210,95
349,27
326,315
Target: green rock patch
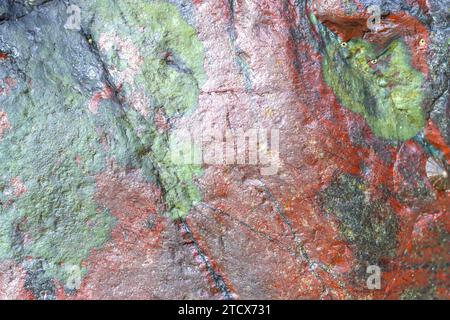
x,y
378,83
370,225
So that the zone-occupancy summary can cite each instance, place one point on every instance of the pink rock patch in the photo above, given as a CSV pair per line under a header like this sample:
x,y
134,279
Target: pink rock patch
x,y
105,94
4,123
18,187
12,278
146,257
7,84
128,52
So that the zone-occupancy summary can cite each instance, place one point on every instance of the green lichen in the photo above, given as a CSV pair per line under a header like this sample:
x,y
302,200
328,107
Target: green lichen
x,y
170,74
56,146
427,293
381,85
370,225
172,68
56,220
180,192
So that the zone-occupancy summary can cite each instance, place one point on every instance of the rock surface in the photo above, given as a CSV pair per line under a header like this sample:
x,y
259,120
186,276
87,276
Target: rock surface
x,y
93,204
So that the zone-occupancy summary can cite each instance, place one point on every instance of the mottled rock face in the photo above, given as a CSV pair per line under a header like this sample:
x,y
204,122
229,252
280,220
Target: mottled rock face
x,y
210,149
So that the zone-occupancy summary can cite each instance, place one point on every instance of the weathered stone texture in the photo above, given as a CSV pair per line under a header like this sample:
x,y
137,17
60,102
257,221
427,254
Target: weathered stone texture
x,y
94,206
